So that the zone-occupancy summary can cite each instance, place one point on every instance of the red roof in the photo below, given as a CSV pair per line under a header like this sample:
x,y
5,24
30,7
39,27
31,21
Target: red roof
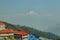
x,y
6,31
21,33
1,23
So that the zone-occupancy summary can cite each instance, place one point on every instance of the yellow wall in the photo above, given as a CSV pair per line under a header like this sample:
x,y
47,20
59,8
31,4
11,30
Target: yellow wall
x,y
6,34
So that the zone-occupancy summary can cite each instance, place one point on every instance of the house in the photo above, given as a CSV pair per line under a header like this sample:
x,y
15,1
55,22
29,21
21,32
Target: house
x,y
7,34
21,35
2,26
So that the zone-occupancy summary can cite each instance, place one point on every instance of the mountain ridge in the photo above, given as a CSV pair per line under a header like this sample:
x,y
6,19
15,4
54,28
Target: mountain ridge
x,y
36,32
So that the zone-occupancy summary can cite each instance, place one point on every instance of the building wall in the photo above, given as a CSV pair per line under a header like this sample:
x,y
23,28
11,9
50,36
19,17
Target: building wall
x,y
6,34
42,38
2,26
9,36
25,37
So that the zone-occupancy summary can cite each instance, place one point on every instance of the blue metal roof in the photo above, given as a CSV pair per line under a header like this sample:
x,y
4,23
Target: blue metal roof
x,y
32,37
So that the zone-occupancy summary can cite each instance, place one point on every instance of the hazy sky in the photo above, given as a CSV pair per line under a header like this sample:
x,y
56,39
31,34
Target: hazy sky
x,y
40,14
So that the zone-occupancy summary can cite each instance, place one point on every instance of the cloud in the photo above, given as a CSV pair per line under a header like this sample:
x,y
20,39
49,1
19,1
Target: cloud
x,y
32,13
29,13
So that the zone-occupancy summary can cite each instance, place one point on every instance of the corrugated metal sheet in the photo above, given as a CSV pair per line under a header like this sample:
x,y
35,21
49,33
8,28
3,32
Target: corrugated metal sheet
x,y
1,23
21,33
6,31
32,37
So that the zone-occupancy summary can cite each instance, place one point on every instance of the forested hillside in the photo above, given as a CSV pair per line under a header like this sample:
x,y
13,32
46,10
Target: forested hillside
x,y
36,32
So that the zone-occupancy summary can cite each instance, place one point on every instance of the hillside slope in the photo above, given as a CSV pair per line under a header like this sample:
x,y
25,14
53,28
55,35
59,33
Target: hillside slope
x,y
36,32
